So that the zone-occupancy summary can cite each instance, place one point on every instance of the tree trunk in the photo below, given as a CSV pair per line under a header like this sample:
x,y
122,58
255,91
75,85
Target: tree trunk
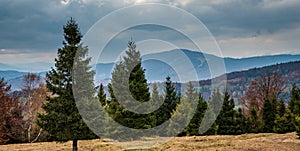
x,y
37,137
75,145
28,133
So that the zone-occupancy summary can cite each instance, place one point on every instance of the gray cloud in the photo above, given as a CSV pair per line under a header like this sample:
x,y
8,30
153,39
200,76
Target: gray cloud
x,y
33,26
247,17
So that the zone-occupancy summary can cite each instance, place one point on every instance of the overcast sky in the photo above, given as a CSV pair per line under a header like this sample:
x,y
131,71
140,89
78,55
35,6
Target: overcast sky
x,y
31,30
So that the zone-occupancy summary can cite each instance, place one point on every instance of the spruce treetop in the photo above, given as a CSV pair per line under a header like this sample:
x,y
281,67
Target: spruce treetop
x,y
71,33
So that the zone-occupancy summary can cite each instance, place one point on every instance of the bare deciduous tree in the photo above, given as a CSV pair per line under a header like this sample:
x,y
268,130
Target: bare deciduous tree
x,y
267,86
35,92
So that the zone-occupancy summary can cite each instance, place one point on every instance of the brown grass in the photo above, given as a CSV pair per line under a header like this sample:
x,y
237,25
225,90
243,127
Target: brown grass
x,y
245,142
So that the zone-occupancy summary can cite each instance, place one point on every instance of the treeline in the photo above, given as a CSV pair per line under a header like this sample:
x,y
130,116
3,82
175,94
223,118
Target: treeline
x,y
43,112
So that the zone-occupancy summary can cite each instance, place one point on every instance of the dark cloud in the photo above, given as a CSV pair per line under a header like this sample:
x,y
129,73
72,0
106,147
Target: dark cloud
x,y
36,25
249,17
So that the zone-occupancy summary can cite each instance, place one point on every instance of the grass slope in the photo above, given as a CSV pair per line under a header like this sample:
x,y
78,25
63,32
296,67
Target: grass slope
x,y
261,142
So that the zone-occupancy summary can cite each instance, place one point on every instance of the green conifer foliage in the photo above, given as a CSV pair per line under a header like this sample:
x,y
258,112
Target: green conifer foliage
x,y
227,116
294,104
268,115
170,102
102,95
129,75
193,127
284,123
61,118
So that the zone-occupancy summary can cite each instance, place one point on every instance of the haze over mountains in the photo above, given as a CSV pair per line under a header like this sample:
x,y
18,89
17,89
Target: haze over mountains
x,y
157,70
157,65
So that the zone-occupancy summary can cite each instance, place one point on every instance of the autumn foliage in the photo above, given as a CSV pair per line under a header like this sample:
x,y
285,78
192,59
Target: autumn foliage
x,y
269,85
11,120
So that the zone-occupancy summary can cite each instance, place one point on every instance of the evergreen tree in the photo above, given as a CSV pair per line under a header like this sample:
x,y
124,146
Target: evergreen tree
x,y
254,121
213,104
170,102
156,97
157,100
130,71
284,123
297,124
193,127
61,118
294,107
268,115
226,118
241,123
294,104
137,81
190,98
281,108
102,95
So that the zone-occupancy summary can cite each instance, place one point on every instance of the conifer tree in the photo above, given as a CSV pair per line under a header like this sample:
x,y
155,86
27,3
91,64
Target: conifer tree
x,y
254,121
297,124
61,118
191,96
294,104
226,118
284,123
156,97
281,108
268,115
213,104
130,71
170,102
102,95
157,100
193,127
242,125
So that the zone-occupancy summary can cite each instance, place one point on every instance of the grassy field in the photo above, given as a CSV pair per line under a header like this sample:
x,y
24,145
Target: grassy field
x,y
249,142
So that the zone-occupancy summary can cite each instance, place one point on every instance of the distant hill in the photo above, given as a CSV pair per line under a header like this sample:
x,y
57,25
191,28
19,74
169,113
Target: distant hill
x,y
11,74
27,67
15,78
237,82
157,67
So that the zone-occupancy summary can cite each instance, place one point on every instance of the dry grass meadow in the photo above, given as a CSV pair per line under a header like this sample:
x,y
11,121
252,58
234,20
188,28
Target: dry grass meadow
x,y
245,142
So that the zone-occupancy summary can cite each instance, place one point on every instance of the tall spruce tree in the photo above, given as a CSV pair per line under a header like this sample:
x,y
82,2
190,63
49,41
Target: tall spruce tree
x,y
137,83
61,118
193,126
170,102
213,103
157,100
226,118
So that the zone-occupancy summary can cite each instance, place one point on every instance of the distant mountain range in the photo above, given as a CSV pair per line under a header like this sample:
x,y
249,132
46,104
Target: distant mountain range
x,y
157,65
27,67
15,78
238,81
